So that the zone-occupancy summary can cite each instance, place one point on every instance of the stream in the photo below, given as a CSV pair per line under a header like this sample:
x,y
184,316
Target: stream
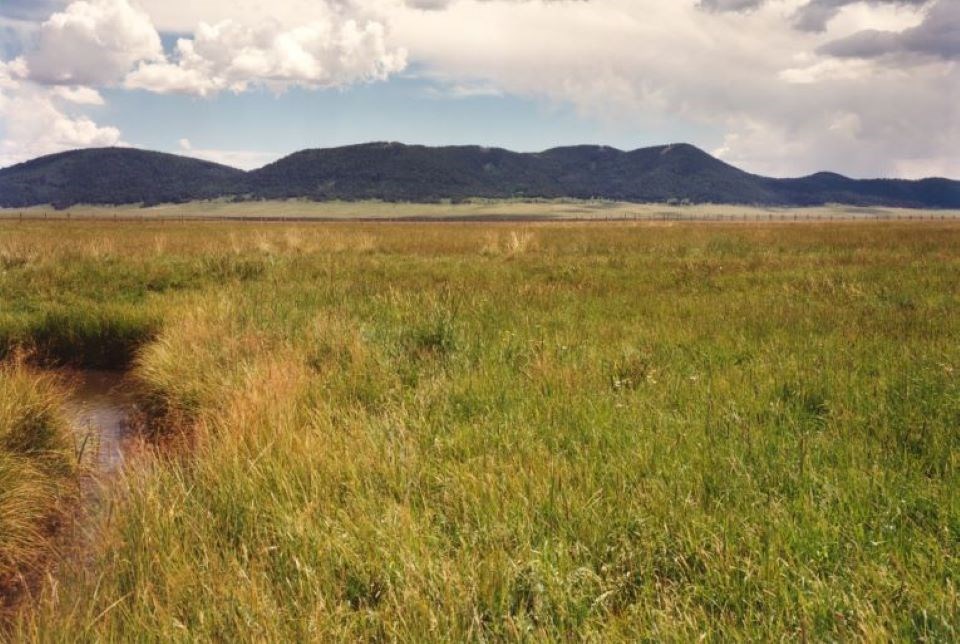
x,y
100,408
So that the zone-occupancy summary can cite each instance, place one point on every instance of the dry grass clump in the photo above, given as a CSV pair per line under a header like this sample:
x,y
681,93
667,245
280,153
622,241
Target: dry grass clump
x,y
36,469
514,242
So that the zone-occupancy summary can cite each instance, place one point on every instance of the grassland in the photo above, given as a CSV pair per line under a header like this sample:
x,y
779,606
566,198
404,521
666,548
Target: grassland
x,y
552,431
479,209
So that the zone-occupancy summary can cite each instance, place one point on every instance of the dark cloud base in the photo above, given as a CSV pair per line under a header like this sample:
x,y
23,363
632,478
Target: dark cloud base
x,y
812,16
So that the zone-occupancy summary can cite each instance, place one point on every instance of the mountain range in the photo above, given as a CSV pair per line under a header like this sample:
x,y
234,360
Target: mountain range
x,y
398,172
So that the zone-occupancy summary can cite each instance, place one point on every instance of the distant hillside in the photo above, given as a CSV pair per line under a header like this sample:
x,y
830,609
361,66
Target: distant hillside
x,y
416,173
397,172
827,187
114,176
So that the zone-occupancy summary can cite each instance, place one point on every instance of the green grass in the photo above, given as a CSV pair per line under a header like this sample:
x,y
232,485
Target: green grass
x,y
82,336
425,432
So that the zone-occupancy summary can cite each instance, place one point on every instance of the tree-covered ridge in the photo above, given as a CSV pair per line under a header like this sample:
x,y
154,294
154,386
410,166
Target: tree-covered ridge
x,y
115,176
398,172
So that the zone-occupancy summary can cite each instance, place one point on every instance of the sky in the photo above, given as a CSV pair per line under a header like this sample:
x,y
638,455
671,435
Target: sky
x,y
867,88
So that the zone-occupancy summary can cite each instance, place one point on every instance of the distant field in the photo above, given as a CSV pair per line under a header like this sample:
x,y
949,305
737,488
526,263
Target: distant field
x,y
553,431
476,210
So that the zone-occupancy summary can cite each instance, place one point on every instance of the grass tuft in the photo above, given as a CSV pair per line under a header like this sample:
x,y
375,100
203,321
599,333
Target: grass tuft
x,y
36,469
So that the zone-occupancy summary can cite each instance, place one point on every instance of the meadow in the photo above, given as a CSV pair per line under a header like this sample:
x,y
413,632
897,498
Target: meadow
x,y
478,431
516,210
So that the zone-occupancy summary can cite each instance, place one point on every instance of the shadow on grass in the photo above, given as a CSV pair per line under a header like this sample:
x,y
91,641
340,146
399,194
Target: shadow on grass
x,y
81,337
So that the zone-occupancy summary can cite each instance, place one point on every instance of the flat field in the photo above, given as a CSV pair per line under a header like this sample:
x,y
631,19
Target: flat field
x,y
421,432
475,210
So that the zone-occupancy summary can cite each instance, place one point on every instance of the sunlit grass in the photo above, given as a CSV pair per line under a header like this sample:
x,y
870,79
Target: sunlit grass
x,y
426,432
36,473
530,209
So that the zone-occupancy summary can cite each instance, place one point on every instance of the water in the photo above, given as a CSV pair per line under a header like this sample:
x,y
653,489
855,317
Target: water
x,y
101,409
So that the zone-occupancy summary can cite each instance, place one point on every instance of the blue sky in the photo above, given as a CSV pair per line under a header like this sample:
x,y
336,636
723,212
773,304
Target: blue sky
x,y
782,87
403,109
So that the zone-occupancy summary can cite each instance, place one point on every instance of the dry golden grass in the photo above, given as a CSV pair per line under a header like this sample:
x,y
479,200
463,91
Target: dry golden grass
x,y
37,468
478,210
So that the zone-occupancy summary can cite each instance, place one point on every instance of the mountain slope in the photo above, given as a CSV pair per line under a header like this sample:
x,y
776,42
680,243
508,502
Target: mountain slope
x,y
416,173
397,172
826,187
659,173
114,176
394,171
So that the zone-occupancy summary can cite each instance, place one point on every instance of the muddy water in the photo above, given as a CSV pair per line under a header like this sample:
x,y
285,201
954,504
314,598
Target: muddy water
x,y
101,408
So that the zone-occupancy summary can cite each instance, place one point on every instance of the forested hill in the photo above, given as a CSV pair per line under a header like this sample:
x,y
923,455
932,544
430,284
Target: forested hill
x,y
115,176
397,172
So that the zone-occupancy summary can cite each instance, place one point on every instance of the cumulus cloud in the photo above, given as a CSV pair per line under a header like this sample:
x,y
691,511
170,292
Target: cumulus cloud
x,y
816,14
813,15
11,73
183,16
79,95
105,43
92,43
782,108
35,123
313,43
232,56
938,35
866,87
39,120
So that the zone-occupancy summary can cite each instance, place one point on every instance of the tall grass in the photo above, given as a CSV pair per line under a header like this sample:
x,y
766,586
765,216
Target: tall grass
x,y
80,336
555,432
36,473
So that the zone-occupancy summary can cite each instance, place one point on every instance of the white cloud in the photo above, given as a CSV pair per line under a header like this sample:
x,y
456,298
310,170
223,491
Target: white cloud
x,y
183,16
169,78
751,75
936,36
780,97
948,166
243,159
312,43
92,43
12,72
861,127
79,95
34,125
231,56
96,43
37,120
857,16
